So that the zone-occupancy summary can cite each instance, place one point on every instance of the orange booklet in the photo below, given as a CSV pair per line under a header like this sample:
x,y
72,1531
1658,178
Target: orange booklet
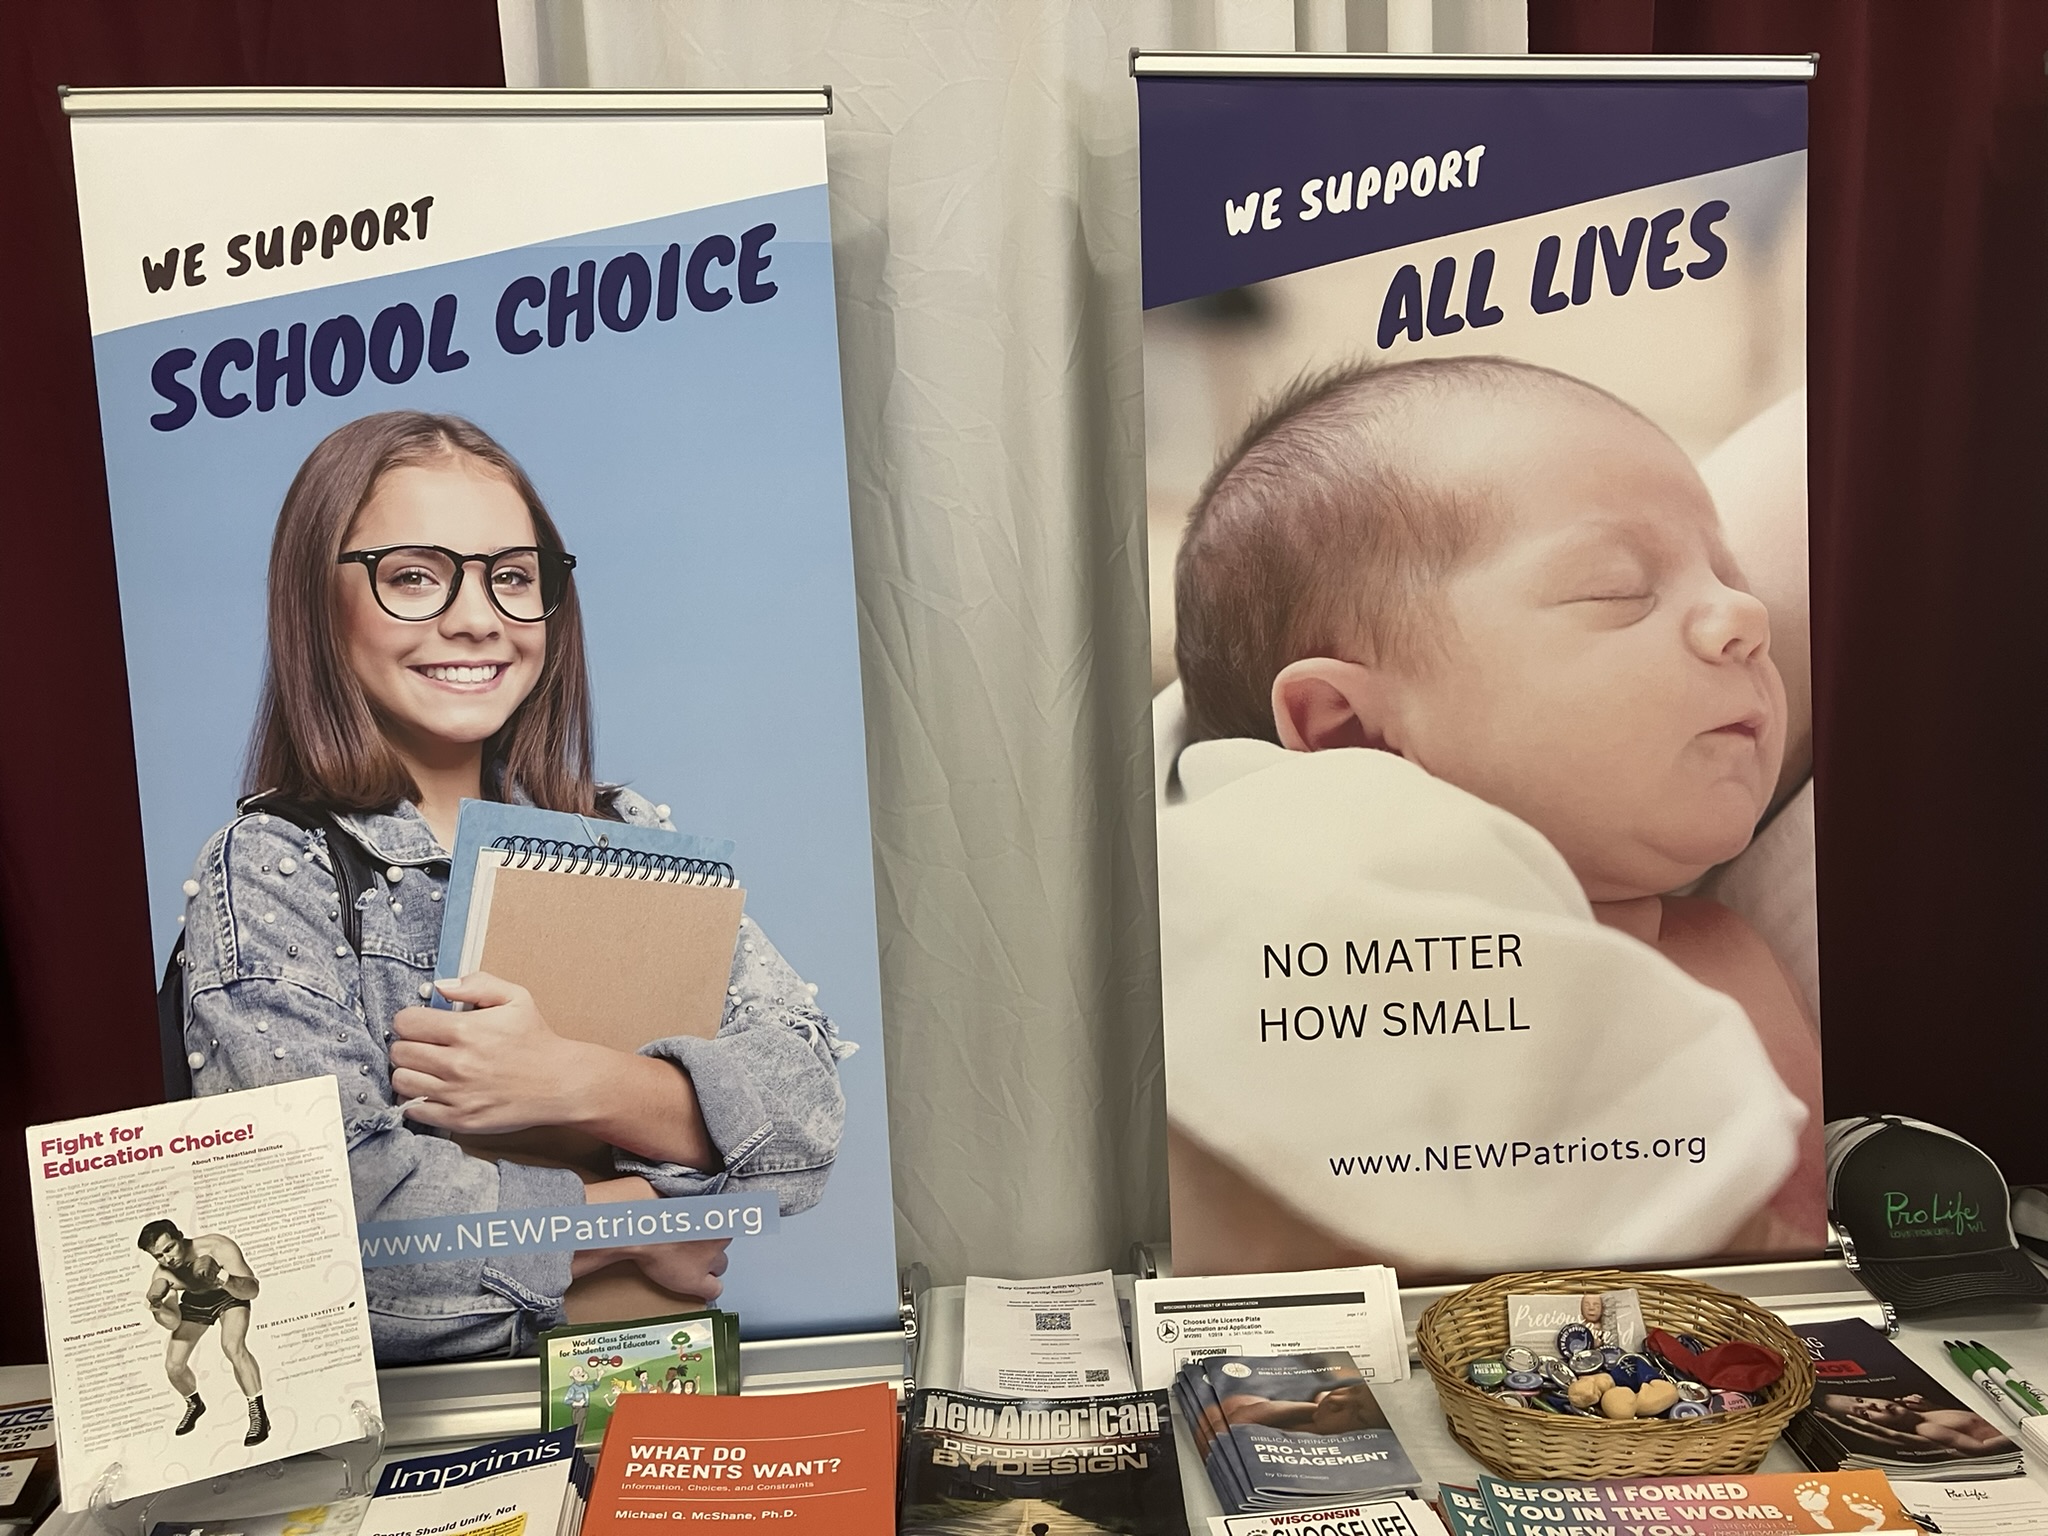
x,y
809,1461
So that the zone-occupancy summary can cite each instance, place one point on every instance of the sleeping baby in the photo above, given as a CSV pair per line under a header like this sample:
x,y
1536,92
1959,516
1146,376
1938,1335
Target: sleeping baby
x,y
1499,578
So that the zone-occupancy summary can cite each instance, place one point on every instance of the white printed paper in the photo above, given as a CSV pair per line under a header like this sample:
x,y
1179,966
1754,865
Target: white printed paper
x,y
2007,1506
1401,1516
253,1285
1044,1338
1358,1309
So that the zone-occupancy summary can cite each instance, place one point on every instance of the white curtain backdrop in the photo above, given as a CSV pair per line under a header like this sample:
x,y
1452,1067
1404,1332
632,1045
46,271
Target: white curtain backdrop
x,y
985,228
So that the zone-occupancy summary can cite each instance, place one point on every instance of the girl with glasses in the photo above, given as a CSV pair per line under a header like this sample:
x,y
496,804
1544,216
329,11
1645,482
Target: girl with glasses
x,y
426,646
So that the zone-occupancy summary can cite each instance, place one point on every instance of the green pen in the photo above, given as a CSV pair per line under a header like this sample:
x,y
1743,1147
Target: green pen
x,y
1982,1358
1979,1362
2000,1371
1966,1360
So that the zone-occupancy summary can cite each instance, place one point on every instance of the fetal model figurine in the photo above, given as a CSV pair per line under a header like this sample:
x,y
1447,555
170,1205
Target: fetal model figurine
x,y
200,1281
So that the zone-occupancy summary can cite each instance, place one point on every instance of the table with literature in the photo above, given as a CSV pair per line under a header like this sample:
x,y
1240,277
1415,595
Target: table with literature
x,y
1799,1292
445,1406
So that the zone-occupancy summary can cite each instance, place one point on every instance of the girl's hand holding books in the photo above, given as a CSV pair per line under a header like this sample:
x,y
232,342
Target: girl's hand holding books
x,y
495,1067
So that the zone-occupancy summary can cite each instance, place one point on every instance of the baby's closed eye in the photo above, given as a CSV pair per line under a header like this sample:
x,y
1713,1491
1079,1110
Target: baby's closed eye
x,y
1610,577
1614,602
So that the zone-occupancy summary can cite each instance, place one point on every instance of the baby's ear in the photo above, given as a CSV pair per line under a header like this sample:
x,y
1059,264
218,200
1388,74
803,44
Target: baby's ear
x,y
1320,702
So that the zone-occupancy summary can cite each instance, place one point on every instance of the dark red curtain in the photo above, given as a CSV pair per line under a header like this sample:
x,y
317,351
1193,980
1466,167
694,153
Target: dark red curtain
x,y
77,1021
1928,351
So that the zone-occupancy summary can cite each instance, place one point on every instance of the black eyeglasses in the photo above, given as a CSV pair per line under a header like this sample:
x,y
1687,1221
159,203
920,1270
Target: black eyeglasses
x,y
417,582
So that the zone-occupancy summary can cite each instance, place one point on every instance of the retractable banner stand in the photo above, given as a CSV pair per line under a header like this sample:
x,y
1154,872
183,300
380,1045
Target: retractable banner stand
x,y
479,502
1475,436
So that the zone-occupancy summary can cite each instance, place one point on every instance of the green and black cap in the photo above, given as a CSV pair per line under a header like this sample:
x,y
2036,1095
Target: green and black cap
x,y
1926,1215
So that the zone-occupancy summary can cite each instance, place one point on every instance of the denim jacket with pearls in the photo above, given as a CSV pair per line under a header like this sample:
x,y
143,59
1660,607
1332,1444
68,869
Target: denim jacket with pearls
x,y
274,993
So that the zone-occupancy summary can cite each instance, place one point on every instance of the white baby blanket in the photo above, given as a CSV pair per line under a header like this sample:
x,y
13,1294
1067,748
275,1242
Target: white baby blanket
x,y
1546,1091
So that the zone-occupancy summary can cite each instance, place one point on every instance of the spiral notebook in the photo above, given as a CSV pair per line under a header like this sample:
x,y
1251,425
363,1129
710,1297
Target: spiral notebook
x,y
618,947
623,934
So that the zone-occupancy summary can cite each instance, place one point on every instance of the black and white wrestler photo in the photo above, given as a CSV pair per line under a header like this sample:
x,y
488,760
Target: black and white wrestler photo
x,y
200,1281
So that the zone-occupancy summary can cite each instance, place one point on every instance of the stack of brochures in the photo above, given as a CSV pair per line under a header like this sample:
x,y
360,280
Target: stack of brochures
x,y
586,1372
1281,1430
975,1462
1179,1319
1701,1504
1053,1338
802,1463
1873,1407
527,1485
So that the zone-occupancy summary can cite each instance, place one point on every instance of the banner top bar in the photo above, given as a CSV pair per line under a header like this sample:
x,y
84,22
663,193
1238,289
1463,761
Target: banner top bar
x,y
242,101
1481,66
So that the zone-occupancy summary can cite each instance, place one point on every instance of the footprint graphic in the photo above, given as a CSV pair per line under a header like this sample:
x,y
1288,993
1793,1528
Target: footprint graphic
x,y
1813,1498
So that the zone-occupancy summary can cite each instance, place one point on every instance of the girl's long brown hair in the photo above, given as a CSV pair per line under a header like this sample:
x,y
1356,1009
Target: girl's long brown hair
x,y
317,741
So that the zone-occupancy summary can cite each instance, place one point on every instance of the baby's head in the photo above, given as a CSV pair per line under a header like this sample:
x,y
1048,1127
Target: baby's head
x,y
1511,579
1885,1412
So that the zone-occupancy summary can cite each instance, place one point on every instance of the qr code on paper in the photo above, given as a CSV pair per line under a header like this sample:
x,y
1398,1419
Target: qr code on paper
x,y
1055,1322
1095,1374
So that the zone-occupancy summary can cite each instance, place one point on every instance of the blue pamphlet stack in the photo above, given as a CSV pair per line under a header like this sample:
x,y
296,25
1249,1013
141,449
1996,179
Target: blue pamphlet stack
x,y
1280,1430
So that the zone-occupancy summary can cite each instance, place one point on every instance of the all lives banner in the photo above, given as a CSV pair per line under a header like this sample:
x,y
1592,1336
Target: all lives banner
x,y
486,449
1476,461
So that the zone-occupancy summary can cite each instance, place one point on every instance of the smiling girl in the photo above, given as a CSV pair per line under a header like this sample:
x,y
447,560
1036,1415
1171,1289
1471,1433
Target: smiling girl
x,y
426,647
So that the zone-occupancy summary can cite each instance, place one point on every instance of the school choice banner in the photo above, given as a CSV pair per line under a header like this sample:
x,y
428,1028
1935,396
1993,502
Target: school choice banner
x,y
478,457
1475,448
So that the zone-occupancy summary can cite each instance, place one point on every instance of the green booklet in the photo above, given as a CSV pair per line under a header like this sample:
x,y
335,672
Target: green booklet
x,y
1465,1510
584,1371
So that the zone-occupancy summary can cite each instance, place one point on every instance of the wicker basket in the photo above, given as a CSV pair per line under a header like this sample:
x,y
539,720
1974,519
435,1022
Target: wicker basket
x,y
1472,1325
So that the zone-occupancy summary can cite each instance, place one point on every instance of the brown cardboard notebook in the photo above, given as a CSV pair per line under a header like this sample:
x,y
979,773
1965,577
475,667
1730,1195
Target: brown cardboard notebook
x,y
615,954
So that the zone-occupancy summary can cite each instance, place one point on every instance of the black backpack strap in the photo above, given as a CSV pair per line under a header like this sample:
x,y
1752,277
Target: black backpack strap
x,y
170,1026
354,873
